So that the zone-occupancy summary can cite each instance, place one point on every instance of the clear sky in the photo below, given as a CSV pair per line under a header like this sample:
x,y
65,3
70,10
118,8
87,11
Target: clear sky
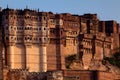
x,y
106,9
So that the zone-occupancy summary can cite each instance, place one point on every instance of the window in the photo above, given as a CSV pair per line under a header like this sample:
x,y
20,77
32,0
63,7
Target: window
x,y
39,28
40,39
7,38
44,18
30,28
14,17
17,38
25,38
14,28
44,29
44,38
7,28
6,17
61,32
30,38
11,37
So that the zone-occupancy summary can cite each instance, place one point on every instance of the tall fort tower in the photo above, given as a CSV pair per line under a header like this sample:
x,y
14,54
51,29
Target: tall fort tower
x,y
26,37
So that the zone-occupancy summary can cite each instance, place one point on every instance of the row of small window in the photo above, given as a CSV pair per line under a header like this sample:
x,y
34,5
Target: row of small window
x,y
71,18
25,28
52,31
71,42
26,38
26,17
35,39
72,33
87,42
107,46
72,24
87,50
52,22
99,44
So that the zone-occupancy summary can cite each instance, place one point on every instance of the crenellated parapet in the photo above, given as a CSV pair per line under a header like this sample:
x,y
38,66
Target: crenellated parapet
x,y
92,23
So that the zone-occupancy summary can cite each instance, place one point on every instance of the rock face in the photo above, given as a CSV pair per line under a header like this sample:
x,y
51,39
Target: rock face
x,y
86,60
97,65
77,65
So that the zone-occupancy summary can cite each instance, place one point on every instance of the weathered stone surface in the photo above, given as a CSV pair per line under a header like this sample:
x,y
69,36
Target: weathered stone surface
x,y
40,41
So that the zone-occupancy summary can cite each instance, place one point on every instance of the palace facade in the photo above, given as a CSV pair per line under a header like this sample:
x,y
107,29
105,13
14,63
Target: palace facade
x,y
40,41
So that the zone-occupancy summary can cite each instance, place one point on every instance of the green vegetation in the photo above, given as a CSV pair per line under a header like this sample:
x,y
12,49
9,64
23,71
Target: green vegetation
x,y
115,60
69,60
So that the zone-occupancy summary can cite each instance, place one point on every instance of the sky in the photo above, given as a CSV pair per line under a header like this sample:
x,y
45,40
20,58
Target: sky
x,y
105,9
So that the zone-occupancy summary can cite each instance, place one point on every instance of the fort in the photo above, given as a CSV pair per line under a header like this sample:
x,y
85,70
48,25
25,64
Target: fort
x,y
34,42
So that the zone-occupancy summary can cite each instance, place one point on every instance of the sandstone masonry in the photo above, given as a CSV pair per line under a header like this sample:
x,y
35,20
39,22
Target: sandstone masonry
x,y
39,41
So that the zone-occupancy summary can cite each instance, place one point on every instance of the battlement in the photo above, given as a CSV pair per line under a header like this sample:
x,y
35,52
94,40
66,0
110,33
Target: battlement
x,y
111,26
90,16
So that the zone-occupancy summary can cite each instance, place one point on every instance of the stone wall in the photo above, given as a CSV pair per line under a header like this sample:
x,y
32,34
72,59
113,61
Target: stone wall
x,y
105,76
22,74
51,57
88,75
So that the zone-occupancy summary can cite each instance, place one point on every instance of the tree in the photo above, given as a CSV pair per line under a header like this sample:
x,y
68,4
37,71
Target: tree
x,y
115,60
69,60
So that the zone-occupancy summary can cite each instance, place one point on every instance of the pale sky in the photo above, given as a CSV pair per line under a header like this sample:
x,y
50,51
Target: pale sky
x,y
106,9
